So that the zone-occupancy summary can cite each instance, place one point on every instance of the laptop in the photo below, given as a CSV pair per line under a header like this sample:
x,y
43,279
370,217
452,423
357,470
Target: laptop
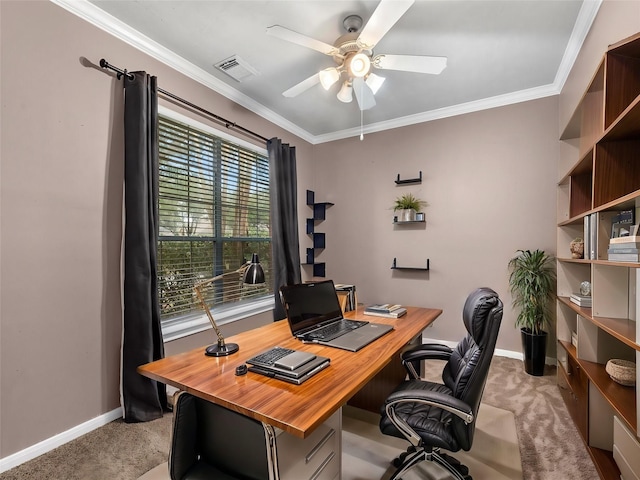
x,y
314,316
293,366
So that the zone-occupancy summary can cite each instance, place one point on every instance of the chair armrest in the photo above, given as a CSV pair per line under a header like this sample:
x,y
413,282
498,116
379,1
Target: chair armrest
x,y
427,351
437,399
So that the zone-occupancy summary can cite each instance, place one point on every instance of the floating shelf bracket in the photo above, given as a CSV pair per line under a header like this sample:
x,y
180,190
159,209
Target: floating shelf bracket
x,y
395,266
409,180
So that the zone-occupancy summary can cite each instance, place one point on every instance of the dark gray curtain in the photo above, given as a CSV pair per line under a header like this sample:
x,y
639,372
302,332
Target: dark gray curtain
x,y
144,399
285,244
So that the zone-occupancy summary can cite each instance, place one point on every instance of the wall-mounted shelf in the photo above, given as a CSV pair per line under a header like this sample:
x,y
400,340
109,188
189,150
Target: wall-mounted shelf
x,y
409,181
318,238
401,222
394,266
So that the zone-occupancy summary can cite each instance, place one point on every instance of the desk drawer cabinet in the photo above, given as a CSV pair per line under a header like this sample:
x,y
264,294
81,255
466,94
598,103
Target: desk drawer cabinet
x,y
317,457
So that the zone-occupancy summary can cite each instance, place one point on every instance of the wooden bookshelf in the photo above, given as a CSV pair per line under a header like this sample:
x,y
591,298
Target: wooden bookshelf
x,y
603,178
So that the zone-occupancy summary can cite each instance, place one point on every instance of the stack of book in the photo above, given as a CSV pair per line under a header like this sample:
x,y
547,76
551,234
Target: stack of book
x,y
385,310
624,249
581,300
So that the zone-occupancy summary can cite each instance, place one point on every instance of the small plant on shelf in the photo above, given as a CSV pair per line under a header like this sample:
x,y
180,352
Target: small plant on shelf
x,y
407,205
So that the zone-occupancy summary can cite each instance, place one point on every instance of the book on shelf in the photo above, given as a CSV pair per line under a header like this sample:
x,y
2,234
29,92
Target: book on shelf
x,y
624,257
396,313
581,300
628,240
587,237
621,248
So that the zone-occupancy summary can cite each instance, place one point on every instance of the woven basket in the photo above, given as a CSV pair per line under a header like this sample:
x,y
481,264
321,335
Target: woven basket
x,y
621,371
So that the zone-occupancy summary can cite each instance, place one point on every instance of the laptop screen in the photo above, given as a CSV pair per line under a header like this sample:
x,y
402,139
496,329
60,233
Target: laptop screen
x,y
310,305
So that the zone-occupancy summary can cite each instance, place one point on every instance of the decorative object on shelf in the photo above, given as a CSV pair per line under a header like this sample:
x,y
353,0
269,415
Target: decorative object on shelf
x,y
252,274
394,266
319,214
408,181
621,371
532,283
581,300
585,288
577,248
407,206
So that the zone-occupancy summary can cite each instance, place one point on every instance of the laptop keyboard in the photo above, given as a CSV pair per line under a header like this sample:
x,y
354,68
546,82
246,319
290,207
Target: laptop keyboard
x,y
270,356
335,330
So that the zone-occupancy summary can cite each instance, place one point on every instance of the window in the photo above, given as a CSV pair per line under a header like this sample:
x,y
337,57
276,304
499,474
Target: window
x,y
214,213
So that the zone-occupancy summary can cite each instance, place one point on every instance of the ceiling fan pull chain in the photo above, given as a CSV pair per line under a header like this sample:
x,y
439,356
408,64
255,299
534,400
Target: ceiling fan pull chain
x,y
361,127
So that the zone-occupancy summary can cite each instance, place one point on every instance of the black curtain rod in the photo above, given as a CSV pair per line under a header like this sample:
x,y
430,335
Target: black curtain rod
x,y
227,123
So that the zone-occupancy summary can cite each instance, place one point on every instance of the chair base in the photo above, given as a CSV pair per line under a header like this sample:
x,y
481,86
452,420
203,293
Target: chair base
x,y
415,455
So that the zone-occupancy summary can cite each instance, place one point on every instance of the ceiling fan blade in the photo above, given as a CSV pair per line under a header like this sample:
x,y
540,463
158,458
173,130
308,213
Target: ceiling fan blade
x,y
364,95
386,14
299,39
410,63
302,86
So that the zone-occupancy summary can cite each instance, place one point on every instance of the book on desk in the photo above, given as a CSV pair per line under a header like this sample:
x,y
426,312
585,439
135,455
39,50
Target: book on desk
x,y
385,310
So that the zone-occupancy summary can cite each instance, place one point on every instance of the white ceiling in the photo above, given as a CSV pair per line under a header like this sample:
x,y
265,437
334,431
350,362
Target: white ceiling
x,y
499,52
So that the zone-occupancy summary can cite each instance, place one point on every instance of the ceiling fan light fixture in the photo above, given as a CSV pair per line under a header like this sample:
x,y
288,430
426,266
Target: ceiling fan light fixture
x,y
360,65
374,82
328,77
345,94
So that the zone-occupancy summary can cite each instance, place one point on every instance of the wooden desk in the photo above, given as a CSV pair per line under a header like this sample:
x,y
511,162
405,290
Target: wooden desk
x,y
296,409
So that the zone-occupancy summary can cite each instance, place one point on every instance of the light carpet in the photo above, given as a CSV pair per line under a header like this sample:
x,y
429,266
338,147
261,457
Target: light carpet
x,y
366,453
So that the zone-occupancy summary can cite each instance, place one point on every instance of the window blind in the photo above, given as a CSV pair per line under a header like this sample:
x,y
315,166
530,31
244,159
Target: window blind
x,y
214,213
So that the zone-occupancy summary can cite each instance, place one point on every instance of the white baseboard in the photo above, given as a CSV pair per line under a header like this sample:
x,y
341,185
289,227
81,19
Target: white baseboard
x,y
49,444
498,352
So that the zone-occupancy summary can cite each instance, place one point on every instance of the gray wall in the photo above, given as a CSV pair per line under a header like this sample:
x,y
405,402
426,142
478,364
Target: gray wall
x,y
489,179
61,190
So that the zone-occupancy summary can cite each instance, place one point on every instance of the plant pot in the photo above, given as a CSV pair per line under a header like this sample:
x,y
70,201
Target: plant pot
x,y
534,347
407,215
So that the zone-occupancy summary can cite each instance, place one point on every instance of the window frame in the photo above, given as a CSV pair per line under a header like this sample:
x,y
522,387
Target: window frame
x,y
196,322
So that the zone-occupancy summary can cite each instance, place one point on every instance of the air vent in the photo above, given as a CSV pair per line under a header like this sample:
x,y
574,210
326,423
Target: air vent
x,y
236,68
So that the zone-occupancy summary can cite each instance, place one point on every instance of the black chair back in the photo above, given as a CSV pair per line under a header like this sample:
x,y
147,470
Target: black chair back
x,y
466,371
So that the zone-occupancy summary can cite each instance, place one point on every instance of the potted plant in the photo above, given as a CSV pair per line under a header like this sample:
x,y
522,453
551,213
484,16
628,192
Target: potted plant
x,y
407,205
532,285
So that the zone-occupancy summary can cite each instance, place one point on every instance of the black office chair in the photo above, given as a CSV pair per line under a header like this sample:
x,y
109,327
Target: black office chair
x,y
212,442
434,416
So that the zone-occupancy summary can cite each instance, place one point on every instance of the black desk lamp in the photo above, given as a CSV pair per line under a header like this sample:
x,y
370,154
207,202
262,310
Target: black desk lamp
x,y
252,275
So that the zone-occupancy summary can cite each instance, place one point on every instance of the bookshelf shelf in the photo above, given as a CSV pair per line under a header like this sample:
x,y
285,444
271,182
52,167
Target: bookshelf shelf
x,y
602,182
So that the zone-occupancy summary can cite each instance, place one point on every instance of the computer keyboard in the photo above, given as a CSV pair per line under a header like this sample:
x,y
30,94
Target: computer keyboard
x,y
270,356
335,329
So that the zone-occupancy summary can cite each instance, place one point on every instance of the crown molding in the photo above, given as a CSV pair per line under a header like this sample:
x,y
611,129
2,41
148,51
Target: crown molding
x,y
586,16
99,18
108,23
440,113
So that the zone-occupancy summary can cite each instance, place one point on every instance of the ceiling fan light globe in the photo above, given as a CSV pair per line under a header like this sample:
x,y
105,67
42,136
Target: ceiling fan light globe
x,y
328,77
360,65
345,94
374,82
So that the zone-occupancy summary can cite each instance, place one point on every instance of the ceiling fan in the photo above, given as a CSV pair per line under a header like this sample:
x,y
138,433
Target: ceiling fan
x,y
353,53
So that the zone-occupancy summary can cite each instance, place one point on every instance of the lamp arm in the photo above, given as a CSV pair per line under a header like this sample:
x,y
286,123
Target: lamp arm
x,y
197,288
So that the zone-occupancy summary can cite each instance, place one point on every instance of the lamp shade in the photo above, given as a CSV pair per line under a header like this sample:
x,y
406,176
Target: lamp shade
x,y
346,93
328,77
254,274
374,82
